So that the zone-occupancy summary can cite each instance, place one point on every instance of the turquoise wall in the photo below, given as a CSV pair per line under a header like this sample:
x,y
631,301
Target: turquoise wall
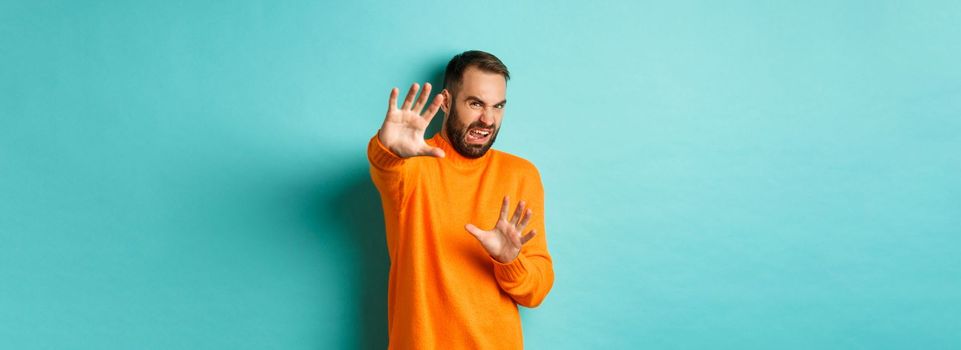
x,y
740,175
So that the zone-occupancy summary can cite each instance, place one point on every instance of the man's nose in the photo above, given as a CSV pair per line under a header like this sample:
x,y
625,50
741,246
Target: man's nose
x,y
488,116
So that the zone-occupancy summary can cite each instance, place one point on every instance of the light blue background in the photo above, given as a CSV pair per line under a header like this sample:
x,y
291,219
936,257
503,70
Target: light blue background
x,y
740,175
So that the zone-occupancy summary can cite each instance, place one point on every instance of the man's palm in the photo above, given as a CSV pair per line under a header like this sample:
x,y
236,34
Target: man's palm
x,y
504,241
404,127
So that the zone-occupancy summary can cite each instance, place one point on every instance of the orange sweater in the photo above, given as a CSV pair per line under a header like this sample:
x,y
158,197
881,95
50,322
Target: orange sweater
x,y
445,291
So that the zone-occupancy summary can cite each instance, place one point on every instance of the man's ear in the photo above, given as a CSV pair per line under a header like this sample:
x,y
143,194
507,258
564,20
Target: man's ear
x,y
446,105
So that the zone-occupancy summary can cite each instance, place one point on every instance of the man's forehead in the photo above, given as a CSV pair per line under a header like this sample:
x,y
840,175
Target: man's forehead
x,y
490,87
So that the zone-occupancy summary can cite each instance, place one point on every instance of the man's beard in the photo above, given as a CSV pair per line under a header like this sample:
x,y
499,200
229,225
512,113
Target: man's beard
x,y
457,134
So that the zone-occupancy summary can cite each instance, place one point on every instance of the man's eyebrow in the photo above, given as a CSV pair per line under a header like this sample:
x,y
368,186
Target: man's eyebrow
x,y
472,97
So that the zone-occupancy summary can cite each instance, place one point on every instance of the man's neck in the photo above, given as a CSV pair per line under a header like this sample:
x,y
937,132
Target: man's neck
x,y
443,132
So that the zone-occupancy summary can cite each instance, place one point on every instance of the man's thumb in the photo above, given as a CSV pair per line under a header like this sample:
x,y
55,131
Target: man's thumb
x,y
474,230
437,152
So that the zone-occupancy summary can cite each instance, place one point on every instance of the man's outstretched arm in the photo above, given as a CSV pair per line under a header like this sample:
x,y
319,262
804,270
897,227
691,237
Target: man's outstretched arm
x,y
401,137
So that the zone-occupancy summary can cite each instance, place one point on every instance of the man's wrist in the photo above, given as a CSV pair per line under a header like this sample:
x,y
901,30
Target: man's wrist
x,y
508,259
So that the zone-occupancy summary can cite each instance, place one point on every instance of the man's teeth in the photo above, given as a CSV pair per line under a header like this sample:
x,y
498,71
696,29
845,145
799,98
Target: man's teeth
x,y
479,133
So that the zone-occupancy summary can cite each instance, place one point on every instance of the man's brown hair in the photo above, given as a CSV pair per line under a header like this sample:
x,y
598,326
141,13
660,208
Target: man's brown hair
x,y
484,61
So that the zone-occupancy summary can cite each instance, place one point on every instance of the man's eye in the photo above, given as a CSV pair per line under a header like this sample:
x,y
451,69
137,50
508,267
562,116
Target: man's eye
x,y
475,104
499,106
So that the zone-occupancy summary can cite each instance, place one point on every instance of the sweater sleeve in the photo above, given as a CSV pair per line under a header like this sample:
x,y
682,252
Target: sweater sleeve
x,y
530,276
387,169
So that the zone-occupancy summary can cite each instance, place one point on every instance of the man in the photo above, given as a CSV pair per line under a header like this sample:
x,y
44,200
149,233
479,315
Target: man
x,y
461,261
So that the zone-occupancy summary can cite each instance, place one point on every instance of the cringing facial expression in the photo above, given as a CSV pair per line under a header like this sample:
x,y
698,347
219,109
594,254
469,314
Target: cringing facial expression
x,y
474,112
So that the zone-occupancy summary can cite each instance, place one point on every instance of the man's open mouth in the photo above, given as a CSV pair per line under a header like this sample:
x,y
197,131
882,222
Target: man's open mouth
x,y
478,135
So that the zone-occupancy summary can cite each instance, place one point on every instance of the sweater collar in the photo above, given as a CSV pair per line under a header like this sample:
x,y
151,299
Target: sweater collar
x,y
454,157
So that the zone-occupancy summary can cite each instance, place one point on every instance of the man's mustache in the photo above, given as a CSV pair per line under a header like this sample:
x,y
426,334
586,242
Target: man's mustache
x,y
479,125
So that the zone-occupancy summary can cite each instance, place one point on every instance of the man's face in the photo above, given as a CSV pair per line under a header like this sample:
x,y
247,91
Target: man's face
x,y
474,112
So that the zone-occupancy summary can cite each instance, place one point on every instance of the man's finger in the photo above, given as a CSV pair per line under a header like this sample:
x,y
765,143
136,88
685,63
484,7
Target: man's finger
x,y
410,96
474,230
517,213
392,102
504,207
527,218
528,236
423,98
432,109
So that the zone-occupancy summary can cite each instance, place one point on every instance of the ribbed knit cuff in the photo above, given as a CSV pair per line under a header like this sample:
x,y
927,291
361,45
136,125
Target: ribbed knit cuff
x,y
513,271
380,155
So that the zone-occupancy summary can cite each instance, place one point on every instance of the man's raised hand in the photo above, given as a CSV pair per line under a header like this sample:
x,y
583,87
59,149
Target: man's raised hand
x,y
404,127
504,241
